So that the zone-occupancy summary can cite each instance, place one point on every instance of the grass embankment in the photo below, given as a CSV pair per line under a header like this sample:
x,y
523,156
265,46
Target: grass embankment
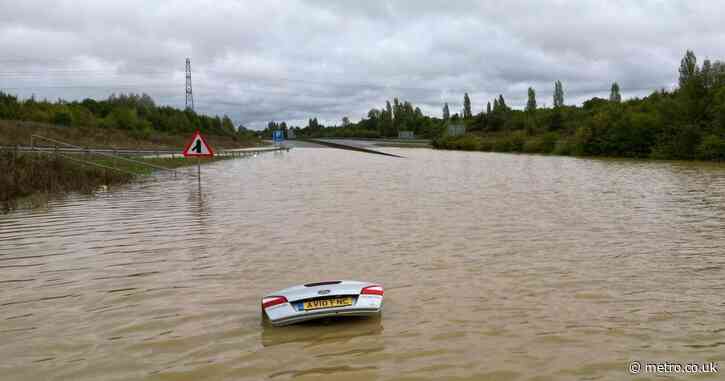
x,y
27,179
19,133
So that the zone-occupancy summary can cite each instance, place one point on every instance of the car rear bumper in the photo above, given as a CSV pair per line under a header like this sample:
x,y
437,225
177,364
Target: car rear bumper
x,y
287,313
299,318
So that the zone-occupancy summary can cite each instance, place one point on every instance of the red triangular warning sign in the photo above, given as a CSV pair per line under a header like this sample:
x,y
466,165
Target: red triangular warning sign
x,y
198,147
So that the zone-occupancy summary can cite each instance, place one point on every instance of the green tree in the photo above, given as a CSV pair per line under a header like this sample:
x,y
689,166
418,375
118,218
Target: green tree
x,y
388,125
558,94
706,72
446,111
531,102
63,117
502,103
488,107
125,117
688,68
227,124
396,115
466,107
614,95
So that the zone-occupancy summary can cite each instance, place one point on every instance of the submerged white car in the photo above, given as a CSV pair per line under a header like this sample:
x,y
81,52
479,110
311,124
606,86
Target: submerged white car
x,y
322,300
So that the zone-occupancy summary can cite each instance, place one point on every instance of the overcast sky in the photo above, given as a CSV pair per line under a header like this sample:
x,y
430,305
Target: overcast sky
x,y
292,60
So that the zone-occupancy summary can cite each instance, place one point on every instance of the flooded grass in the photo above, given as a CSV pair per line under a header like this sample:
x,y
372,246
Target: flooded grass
x,y
26,180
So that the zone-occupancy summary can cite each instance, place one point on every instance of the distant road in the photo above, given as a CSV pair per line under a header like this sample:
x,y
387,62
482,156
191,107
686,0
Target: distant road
x,y
362,143
346,145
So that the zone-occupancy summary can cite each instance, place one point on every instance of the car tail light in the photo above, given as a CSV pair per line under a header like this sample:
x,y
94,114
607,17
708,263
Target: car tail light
x,y
273,301
372,290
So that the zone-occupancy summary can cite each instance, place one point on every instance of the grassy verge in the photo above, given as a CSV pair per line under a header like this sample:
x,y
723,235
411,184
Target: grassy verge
x,y
582,143
138,169
28,179
19,133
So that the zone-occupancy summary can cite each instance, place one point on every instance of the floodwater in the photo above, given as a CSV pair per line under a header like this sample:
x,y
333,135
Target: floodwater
x,y
495,266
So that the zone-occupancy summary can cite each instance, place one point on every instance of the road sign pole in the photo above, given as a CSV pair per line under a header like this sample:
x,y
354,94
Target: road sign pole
x,y
198,170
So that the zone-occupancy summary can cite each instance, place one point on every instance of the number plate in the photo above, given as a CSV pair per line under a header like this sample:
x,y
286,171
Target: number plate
x,y
327,303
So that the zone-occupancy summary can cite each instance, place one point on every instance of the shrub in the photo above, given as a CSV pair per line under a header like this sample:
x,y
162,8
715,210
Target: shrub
x,y
533,145
712,147
466,142
511,143
63,118
564,147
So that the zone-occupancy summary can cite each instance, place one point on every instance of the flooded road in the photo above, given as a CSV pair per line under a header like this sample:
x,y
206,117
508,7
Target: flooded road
x,y
495,266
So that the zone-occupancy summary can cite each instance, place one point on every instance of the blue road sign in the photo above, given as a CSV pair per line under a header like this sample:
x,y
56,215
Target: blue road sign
x,y
277,136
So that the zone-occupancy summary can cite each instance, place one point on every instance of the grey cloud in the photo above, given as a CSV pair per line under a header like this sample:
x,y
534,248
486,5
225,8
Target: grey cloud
x,y
293,60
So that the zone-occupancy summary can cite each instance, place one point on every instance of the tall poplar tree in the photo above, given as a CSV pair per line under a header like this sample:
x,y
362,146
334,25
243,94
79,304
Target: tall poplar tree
x,y
502,103
688,67
466,107
614,95
558,94
531,102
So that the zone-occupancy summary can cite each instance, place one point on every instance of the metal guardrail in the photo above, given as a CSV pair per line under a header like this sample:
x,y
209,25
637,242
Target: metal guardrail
x,y
72,148
113,151
236,152
71,152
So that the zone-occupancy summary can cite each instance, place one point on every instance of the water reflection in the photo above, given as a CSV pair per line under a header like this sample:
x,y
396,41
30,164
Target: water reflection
x,y
323,332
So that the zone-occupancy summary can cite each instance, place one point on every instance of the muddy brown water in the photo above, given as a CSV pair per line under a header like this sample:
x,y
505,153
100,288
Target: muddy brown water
x,y
495,266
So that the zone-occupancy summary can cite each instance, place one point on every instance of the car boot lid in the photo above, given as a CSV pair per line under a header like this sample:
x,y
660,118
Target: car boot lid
x,y
321,289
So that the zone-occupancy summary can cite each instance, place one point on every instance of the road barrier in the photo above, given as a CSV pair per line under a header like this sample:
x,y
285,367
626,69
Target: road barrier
x,y
69,149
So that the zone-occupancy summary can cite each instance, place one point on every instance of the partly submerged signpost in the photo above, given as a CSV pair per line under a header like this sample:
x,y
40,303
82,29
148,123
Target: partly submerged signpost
x,y
198,147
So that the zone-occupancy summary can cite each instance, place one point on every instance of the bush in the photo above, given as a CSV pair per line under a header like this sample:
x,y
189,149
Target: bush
x,y
686,142
533,145
541,144
580,143
125,118
142,130
63,118
511,143
712,147
564,147
466,143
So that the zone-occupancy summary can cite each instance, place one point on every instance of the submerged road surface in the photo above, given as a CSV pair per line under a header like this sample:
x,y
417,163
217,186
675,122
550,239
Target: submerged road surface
x,y
495,267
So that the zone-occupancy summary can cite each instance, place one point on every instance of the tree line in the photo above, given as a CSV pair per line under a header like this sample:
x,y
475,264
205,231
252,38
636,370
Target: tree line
x,y
382,122
137,113
685,123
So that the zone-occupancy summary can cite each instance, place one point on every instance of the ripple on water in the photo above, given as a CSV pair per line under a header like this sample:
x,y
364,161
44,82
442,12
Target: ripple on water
x,y
495,266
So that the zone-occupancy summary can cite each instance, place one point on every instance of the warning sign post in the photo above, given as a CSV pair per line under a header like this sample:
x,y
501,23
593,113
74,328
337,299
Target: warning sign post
x,y
198,147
